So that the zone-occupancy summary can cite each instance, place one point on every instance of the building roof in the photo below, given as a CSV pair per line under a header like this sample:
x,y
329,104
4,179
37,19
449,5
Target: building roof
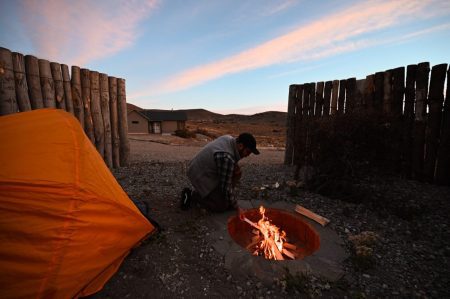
x,y
163,115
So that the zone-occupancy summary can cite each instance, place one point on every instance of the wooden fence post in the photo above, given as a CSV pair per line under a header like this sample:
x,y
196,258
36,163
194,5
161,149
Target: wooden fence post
x,y
312,98
435,100
368,94
327,98
115,139
123,124
341,98
410,96
290,126
47,85
300,113
33,82
96,113
23,100
59,86
350,104
378,92
78,106
387,95
319,100
334,97
86,96
8,103
398,90
443,162
67,89
104,104
359,94
423,71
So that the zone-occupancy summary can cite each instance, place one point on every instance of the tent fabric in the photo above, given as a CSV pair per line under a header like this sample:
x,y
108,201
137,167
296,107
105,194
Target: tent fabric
x,y
65,223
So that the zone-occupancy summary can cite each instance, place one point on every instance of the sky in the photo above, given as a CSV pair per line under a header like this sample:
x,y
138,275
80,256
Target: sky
x,y
227,56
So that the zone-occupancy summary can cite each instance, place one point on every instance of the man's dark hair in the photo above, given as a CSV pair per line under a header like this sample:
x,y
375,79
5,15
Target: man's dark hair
x,y
248,141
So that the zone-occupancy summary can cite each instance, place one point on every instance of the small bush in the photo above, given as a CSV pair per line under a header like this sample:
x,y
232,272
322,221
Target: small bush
x,y
184,133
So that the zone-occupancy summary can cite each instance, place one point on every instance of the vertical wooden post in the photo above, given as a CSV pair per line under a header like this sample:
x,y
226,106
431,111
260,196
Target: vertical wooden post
x,y
59,87
350,95
435,100
290,126
115,139
423,71
387,96
312,98
67,88
341,98
327,98
96,113
34,82
359,94
398,91
410,97
334,97
378,92
123,124
8,103
78,106
301,102
443,164
23,100
319,100
104,104
47,85
86,96
368,94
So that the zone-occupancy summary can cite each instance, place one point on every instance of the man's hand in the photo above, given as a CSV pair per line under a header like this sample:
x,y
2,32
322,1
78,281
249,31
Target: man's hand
x,y
241,213
236,174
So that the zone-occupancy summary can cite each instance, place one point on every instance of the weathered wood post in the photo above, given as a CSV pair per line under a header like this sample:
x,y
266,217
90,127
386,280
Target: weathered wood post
x,y
341,98
423,71
334,97
104,104
78,106
387,96
327,98
59,86
443,164
96,112
319,99
435,100
368,95
290,126
410,97
301,109
350,90
86,96
312,98
8,103
67,89
398,91
115,139
23,100
359,94
378,92
33,82
123,124
47,85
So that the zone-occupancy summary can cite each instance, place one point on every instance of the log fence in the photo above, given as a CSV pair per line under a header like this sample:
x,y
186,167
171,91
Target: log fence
x,y
412,97
98,101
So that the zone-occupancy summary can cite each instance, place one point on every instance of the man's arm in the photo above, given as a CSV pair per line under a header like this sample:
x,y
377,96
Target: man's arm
x,y
225,167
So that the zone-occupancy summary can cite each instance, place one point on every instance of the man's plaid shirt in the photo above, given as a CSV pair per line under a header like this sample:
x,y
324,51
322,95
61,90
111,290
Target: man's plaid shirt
x,y
225,167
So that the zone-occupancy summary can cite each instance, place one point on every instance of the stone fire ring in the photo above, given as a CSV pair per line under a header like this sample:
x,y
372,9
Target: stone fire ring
x,y
325,262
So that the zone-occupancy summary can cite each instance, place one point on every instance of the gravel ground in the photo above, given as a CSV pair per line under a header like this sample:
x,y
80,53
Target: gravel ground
x,y
400,249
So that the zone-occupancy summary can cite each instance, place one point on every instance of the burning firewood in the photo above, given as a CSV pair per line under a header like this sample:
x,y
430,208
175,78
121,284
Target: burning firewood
x,y
289,246
289,254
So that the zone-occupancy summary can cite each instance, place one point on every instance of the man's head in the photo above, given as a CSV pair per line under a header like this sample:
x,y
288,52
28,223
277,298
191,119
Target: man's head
x,y
246,145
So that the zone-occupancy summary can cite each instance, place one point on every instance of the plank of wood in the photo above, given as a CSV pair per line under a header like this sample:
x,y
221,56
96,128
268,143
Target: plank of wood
x,y
311,215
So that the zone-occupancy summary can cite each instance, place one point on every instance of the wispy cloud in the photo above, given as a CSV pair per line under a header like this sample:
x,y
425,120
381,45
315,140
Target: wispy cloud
x,y
279,6
77,32
335,33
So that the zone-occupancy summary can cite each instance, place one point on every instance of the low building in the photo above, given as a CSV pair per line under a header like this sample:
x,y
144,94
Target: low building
x,y
156,121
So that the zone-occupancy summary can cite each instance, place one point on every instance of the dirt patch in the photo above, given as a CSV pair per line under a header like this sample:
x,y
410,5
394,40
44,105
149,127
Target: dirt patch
x,y
407,259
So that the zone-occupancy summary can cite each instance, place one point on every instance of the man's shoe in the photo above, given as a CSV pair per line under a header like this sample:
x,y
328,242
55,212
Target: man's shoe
x,y
186,197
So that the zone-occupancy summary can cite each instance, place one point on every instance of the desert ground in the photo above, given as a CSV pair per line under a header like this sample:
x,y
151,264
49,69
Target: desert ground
x,y
406,257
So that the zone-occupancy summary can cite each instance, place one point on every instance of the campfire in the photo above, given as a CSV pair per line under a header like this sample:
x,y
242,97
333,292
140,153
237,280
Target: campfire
x,y
268,240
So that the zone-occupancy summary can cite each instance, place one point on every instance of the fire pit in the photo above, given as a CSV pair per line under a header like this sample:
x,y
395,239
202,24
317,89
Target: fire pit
x,y
299,239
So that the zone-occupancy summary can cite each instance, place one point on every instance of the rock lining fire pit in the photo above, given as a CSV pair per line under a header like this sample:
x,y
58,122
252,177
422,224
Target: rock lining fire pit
x,y
324,260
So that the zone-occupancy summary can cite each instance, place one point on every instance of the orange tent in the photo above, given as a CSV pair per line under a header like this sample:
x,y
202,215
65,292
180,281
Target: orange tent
x,y
65,223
